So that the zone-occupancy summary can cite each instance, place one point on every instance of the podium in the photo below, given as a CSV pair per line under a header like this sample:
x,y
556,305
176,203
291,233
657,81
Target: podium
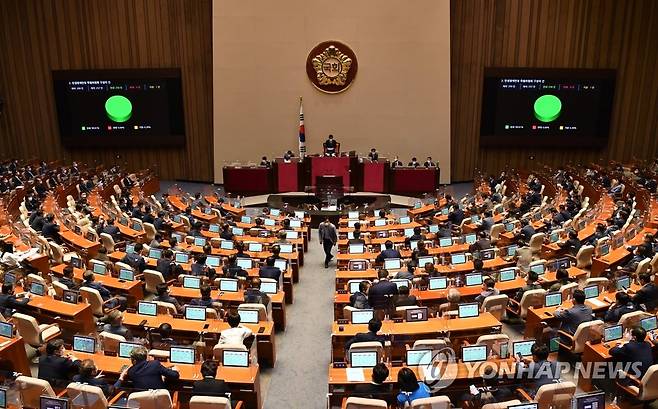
x,y
287,179
374,177
334,165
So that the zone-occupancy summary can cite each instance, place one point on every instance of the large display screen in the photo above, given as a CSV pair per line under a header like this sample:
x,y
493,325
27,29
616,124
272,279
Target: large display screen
x,y
546,107
129,108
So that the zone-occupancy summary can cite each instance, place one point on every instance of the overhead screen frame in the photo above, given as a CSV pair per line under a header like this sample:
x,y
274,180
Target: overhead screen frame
x,y
175,99
487,116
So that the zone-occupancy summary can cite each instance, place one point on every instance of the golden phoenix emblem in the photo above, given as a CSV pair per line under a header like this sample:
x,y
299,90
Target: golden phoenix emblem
x,y
331,66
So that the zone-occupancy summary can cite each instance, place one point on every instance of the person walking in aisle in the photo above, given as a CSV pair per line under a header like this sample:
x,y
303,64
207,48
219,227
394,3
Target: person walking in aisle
x,y
328,239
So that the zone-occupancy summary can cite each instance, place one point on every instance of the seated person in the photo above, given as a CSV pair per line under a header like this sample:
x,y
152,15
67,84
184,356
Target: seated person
x,y
237,333
253,294
488,289
571,318
67,279
403,299
414,163
429,163
163,296
360,298
376,388
622,305
454,299
114,301
410,388
269,270
388,252
232,269
56,366
380,292
374,325
330,146
646,296
165,341
226,233
417,235
199,267
486,223
532,283
166,265
357,238
156,242
88,375
135,260
526,232
572,244
407,274
206,300
115,325
9,302
209,385
539,370
635,350
562,277
50,229
373,155
146,374
419,251
431,271
483,242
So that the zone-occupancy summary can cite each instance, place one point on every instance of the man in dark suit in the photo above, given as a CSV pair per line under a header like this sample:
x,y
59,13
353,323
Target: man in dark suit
x,y
89,375
526,232
373,155
159,222
330,146
111,229
89,281
146,374
166,265
483,243
376,388
417,235
226,233
9,302
487,222
389,252
381,292
269,271
135,260
648,294
67,280
396,162
328,238
636,350
403,299
456,215
115,325
571,318
623,305
50,229
163,296
209,386
573,243
414,163
37,220
356,238
374,325
206,299
55,367
540,371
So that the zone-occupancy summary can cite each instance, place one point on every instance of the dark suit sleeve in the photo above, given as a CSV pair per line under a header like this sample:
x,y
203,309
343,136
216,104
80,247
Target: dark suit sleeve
x,y
168,373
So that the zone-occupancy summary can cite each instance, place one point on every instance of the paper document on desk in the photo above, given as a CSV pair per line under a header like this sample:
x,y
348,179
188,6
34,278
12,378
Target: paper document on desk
x,y
355,375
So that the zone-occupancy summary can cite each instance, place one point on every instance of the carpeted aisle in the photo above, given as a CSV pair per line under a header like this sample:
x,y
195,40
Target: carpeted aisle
x,y
299,378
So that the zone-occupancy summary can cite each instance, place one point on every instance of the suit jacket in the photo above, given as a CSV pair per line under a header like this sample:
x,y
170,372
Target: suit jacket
x,y
573,317
100,382
50,230
526,232
647,295
371,390
211,387
118,330
540,373
10,302
377,295
387,253
405,301
148,375
135,261
365,337
166,267
112,230
57,369
270,272
634,351
328,232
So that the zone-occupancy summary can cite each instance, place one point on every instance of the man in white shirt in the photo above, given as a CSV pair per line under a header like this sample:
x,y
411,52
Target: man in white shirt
x,y
237,333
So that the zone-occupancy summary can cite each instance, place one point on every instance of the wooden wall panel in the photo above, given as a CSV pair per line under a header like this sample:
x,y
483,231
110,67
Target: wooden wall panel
x,y
559,34
38,36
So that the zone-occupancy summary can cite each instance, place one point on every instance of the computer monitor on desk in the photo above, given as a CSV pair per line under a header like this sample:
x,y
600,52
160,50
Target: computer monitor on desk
x,y
195,313
46,402
155,253
523,347
594,400
248,316
473,279
649,323
6,329
181,355
363,359
84,344
468,310
392,264
613,333
457,259
417,357
475,353
437,283
235,358
228,285
125,348
362,316
506,274
147,308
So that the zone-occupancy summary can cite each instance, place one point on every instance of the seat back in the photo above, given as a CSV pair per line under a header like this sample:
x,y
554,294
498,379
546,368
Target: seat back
x,y
433,344
59,288
492,341
531,298
166,308
601,282
150,231
86,396
586,331
36,278
92,297
643,266
152,278
363,403
649,390
501,405
31,390
366,347
28,328
584,256
631,319
151,399
262,311
434,402
209,402
110,342
496,305
57,252
218,349
568,289
536,241
555,395
108,242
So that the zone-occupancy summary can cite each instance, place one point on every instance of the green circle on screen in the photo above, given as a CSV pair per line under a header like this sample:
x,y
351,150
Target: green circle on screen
x,y
548,108
118,108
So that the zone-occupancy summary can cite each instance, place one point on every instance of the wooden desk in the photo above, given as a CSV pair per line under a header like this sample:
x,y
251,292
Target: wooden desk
x,y
76,317
88,248
406,332
13,350
190,329
133,289
244,382
235,299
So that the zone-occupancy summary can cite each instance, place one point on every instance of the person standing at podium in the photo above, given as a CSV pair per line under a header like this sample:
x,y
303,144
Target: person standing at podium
x,y
328,239
373,155
330,146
